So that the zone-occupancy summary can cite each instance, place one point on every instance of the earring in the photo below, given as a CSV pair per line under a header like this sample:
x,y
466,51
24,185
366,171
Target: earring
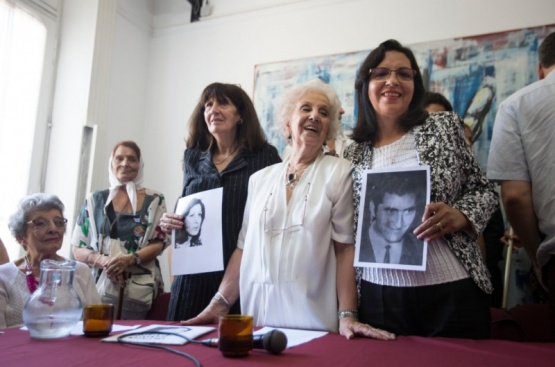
x,y
240,122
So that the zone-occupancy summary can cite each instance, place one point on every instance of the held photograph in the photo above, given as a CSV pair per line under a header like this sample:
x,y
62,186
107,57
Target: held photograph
x,y
392,205
197,247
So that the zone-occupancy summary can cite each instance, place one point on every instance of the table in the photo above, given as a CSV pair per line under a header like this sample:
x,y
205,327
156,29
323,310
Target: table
x,y
18,349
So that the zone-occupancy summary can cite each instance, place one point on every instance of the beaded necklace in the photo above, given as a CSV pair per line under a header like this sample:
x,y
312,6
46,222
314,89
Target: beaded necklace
x,y
32,282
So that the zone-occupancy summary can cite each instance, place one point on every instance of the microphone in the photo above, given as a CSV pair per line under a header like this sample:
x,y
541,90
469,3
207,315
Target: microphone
x,y
274,341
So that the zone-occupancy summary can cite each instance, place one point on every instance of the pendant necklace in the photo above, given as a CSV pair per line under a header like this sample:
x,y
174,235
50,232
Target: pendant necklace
x,y
32,281
292,177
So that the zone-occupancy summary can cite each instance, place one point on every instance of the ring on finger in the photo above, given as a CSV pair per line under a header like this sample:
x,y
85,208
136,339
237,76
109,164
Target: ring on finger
x,y
439,226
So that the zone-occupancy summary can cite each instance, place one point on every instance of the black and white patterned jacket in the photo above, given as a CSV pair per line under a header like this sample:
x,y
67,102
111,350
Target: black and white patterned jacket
x,y
456,179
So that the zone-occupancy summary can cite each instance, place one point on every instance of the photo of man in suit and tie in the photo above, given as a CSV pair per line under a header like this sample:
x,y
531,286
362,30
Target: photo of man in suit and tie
x,y
394,205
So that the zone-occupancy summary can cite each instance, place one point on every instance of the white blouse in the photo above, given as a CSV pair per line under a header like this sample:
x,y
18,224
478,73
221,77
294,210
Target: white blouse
x,y
288,268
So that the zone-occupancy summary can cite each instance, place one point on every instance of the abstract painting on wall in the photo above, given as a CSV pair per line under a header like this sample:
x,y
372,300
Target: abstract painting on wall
x,y
475,73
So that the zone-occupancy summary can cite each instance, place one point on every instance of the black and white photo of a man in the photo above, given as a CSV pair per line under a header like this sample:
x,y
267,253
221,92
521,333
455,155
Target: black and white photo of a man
x,y
394,204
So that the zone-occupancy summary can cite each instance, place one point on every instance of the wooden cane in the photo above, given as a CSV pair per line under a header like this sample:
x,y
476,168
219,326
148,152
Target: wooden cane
x,y
507,275
121,295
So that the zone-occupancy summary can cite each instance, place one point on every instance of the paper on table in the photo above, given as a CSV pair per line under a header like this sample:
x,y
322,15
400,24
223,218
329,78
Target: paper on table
x,y
294,336
78,328
158,334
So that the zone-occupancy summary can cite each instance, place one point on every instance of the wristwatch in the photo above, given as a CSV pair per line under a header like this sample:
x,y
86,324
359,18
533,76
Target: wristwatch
x,y
137,258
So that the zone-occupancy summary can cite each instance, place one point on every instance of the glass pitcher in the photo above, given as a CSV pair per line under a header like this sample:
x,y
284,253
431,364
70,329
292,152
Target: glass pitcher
x,y
54,308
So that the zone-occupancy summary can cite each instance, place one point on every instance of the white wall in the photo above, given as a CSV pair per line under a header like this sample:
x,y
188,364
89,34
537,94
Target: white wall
x,y
72,100
156,76
185,59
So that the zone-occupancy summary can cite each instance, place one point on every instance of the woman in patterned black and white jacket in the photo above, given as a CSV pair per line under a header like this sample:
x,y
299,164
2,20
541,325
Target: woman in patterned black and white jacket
x,y
451,297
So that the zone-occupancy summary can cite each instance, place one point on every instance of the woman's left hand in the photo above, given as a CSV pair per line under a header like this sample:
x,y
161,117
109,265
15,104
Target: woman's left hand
x,y
349,328
210,315
440,219
116,267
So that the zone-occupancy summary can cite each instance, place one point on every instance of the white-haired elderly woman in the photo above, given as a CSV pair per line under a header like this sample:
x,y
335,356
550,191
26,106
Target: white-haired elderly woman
x,y
38,225
293,266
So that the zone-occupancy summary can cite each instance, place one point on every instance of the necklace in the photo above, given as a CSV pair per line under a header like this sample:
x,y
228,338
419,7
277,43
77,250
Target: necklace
x,y
32,281
226,157
292,177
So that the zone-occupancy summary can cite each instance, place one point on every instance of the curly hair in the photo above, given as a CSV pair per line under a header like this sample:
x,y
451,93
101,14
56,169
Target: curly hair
x,y
293,96
30,203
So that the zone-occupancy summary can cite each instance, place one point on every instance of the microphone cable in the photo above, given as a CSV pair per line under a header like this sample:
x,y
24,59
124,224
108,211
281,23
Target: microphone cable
x,y
120,339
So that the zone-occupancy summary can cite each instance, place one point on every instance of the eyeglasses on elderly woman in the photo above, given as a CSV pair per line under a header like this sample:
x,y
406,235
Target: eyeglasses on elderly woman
x,y
403,74
40,224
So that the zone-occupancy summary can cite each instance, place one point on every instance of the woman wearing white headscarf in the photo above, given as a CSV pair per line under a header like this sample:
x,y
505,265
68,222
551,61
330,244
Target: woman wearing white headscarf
x,y
117,232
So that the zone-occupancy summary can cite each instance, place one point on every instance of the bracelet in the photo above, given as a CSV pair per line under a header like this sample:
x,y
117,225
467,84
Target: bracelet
x,y
87,258
97,258
218,297
347,313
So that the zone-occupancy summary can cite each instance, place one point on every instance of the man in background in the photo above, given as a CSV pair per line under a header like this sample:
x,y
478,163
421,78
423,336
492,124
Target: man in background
x,y
522,158
436,102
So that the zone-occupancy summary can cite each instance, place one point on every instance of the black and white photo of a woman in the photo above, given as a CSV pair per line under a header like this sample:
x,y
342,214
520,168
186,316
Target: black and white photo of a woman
x,y
189,235
197,245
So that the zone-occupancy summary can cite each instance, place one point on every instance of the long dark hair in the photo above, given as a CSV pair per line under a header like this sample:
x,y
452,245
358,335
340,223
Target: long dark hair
x,y
182,236
249,133
366,128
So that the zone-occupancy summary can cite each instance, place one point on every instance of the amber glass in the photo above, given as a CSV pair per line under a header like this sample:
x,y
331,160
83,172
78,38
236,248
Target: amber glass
x,y
235,335
98,319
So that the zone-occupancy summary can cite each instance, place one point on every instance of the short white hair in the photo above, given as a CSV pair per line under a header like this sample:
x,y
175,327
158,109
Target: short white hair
x,y
292,97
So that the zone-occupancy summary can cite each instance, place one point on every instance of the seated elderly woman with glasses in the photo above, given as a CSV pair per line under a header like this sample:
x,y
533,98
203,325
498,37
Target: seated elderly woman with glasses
x,y
293,266
39,226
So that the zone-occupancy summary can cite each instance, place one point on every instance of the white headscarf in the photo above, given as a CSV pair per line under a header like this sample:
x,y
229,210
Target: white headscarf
x,y
131,186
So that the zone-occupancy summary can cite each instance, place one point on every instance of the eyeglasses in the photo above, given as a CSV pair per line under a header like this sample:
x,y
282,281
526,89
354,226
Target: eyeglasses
x,y
274,231
403,74
40,224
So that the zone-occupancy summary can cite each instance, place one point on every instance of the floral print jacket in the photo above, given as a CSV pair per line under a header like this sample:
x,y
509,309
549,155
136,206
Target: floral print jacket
x,y
456,179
